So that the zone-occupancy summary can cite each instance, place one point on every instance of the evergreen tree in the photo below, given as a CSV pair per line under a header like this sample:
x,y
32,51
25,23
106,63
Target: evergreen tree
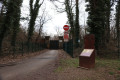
x,y
118,17
108,9
96,20
118,25
16,21
11,21
7,22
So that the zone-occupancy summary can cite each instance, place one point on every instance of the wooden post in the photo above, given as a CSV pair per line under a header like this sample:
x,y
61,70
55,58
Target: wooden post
x,y
119,44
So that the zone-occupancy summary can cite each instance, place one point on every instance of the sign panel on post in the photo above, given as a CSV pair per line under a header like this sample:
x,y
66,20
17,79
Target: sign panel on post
x,y
66,36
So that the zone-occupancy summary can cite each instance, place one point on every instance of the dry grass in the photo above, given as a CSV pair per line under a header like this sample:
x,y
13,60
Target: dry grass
x,y
105,69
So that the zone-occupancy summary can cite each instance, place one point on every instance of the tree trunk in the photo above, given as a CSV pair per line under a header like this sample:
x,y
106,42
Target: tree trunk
x,y
77,25
39,35
107,29
16,22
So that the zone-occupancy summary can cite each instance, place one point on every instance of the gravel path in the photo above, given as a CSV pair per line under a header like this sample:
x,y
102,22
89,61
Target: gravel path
x,y
40,67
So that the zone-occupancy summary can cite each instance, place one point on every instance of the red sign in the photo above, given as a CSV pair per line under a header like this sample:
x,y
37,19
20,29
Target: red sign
x,y
66,27
65,32
66,36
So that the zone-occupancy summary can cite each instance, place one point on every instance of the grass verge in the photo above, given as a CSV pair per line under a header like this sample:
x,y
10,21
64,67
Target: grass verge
x,y
105,69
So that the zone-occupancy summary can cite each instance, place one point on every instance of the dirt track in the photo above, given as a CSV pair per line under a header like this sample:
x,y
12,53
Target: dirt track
x,y
36,68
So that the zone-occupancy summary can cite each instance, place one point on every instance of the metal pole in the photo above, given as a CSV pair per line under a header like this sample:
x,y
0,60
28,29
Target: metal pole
x,y
119,44
66,46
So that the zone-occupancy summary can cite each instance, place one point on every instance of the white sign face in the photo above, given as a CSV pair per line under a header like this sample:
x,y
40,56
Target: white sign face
x,y
65,40
87,52
60,40
79,41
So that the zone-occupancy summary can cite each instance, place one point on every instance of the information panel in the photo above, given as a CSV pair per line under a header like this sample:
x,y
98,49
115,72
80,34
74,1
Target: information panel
x,y
87,52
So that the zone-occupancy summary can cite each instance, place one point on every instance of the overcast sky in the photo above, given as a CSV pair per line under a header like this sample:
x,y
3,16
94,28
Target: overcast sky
x,y
58,19
0,5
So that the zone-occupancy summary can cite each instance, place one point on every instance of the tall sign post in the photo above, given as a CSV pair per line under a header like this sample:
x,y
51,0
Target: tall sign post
x,y
66,35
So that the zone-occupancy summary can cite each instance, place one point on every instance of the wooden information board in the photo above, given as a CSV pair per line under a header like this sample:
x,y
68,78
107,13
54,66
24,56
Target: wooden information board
x,y
87,57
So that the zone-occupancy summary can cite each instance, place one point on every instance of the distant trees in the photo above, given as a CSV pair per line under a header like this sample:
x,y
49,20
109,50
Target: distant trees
x,y
118,18
41,20
99,18
58,31
10,17
118,25
2,13
99,22
2,10
108,9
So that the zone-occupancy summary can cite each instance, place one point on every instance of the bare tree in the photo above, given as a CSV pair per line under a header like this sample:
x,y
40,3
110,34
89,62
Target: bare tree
x,y
34,10
43,19
58,31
